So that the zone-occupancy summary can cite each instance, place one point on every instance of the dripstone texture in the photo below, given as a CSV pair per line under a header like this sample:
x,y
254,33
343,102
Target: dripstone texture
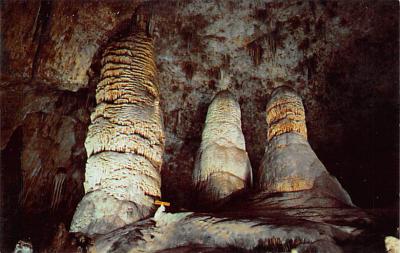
x,y
222,165
289,163
43,159
292,210
125,139
340,56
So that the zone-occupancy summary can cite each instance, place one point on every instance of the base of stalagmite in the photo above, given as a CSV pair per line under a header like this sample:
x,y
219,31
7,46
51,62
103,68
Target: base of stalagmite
x,y
102,213
276,230
291,164
305,221
219,186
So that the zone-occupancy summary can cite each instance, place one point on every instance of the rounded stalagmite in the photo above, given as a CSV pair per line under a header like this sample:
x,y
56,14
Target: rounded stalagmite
x,y
125,139
289,163
222,165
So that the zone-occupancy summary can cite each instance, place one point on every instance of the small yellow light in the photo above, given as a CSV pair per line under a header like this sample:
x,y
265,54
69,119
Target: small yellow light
x,y
161,203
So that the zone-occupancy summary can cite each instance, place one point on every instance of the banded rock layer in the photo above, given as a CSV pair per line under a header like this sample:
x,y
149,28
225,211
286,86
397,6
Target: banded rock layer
x,y
222,165
125,140
289,163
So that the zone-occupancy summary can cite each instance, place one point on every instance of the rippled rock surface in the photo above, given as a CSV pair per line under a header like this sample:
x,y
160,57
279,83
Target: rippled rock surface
x,y
125,139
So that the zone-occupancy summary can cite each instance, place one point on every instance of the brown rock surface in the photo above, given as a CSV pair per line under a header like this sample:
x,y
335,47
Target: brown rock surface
x,y
42,161
19,38
341,56
65,55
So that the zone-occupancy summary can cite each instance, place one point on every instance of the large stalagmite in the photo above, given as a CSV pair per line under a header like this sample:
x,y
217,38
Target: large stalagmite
x,y
125,140
299,207
222,165
289,163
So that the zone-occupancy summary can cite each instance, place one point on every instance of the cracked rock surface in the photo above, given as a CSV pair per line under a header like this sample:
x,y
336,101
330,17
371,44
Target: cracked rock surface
x,y
340,56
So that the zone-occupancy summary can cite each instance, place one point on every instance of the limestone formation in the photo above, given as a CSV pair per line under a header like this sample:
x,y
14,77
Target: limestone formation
x,y
392,244
289,163
23,247
327,49
125,140
285,114
59,181
272,230
300,207
222,165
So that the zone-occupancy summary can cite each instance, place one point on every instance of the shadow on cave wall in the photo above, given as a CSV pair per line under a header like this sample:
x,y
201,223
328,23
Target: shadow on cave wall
x,y
361,149
36,220
361,100
10,188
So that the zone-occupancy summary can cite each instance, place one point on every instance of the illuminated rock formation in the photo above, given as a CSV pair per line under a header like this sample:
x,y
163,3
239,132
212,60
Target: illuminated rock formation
x,y
272,231
125,140
392,244
304,217
289,163
23,247
222,164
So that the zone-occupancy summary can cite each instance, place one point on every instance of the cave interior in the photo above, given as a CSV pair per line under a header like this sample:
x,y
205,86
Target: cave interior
x,y
341,57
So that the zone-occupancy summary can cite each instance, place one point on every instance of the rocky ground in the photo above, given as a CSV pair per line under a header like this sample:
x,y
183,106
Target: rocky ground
x,y
342,57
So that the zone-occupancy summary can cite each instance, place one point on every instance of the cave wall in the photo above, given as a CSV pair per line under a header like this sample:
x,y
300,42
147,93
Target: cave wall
x,y
342,58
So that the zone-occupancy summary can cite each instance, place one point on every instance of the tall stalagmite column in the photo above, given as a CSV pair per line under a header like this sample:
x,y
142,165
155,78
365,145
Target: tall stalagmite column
x,y
125,140
222,165
289,163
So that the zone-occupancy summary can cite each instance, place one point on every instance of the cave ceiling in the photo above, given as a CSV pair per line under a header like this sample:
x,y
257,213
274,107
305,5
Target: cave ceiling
x,y
341,57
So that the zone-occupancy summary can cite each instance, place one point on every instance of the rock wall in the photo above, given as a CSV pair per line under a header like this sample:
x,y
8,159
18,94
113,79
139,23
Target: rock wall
x,y
342,58
43,162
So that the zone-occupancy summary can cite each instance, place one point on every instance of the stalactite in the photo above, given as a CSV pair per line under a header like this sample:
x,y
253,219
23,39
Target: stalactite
x,y
125,139
222,164
289,163
56,198
29,180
